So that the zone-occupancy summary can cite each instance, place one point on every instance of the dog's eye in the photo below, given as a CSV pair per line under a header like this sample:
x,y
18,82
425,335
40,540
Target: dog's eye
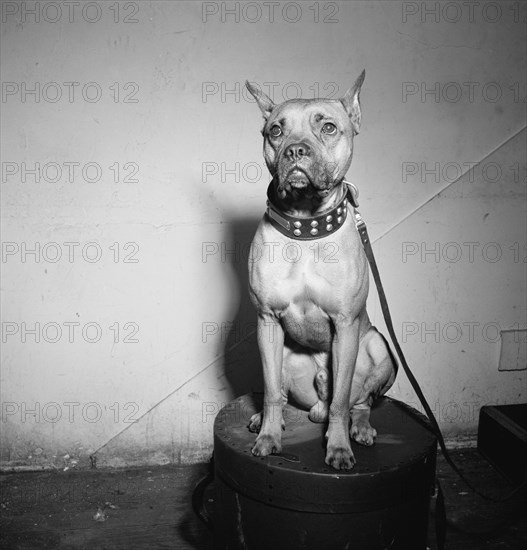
x,y
329,128
276,131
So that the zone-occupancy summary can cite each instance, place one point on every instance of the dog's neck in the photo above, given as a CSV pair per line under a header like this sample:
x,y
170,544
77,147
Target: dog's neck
x,y
304,204
325,219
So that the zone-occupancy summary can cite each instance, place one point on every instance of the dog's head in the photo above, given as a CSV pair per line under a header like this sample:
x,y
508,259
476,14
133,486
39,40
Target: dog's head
x,y
308,143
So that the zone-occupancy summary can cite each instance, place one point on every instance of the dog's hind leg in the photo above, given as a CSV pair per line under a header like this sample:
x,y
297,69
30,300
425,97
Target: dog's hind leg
x,y
305,380
374,375
361,429
319,412
255,422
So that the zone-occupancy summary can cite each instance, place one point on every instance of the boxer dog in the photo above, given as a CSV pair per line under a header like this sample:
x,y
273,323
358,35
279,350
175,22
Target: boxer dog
x,y
316,341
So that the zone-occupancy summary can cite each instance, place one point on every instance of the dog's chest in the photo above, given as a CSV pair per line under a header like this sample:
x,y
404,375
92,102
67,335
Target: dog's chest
x,y
305,281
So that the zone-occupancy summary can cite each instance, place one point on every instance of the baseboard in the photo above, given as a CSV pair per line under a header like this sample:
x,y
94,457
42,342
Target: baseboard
x,y
462,442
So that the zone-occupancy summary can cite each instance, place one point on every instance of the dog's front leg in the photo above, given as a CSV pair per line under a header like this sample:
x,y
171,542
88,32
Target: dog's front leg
x,y
271,344
344,351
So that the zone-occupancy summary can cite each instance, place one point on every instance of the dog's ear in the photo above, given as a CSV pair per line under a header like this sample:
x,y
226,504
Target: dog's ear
x,y
351,103
265,103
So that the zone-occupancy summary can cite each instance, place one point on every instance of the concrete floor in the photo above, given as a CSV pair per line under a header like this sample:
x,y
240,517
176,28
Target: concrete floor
x,y
150,509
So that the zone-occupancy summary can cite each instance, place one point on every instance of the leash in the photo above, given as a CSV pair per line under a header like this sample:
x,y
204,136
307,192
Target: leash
x,y
352,195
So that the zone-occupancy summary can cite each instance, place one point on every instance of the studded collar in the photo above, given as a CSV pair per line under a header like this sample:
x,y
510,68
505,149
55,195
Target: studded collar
x,y
309,228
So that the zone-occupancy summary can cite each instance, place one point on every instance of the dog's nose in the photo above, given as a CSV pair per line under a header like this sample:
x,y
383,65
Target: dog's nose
x,y
296,151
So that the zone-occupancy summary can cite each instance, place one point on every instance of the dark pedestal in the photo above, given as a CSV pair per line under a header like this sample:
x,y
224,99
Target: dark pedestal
x,y
295,501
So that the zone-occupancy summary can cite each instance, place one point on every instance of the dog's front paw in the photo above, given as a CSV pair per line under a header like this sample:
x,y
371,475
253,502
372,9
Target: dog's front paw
x,y
363,433
340,458
266,444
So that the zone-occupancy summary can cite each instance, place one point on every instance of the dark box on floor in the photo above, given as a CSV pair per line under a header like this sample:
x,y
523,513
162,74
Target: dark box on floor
x,y
502,439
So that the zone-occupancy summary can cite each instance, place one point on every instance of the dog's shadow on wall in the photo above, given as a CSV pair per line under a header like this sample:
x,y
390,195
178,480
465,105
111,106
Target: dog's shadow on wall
x,y
242,364
238,347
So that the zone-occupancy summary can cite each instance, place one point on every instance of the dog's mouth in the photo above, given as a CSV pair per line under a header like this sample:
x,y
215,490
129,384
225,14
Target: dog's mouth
x,y
297,178
300,183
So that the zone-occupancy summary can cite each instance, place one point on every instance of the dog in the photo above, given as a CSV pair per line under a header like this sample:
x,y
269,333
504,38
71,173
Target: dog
x,y
316,342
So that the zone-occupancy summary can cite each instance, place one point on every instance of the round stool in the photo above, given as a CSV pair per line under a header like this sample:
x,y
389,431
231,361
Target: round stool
x,y
294,501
